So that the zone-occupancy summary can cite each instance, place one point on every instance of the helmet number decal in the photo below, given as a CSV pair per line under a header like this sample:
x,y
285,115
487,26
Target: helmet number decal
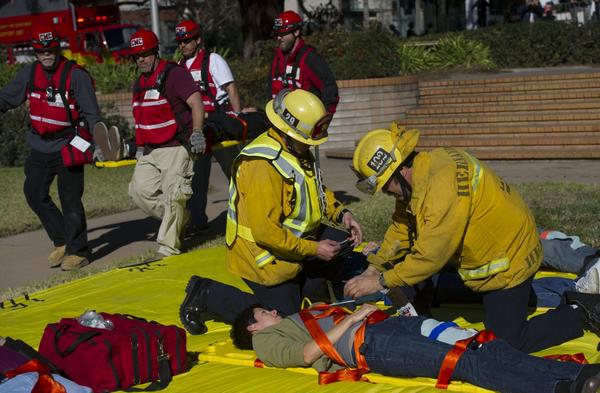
x,y
379,160
289,118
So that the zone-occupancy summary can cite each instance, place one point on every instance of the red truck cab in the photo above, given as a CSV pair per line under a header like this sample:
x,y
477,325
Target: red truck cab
x,y
89,31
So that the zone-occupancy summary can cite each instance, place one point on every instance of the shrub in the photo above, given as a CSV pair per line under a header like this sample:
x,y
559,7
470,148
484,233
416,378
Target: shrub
x,y
370,53
113,77
540,44
413,58
13,149
457,51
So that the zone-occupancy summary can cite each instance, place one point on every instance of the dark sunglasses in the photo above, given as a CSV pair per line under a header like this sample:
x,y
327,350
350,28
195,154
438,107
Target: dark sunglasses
x,y
186,41
44,50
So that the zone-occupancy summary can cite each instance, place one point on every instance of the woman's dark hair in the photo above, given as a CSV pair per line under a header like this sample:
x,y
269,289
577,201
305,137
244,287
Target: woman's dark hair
x,y
241,336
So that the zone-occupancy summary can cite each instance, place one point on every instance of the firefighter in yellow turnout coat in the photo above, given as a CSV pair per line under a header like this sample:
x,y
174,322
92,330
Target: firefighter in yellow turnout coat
x,y
451,208
275,237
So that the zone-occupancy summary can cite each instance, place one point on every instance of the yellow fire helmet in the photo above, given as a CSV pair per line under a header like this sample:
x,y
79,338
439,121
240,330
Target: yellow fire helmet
x,y
379,153
299,114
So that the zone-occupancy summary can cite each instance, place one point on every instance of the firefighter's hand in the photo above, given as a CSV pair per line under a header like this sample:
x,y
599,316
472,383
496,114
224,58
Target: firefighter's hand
x,y
198,142
364,284
328,249
356,234
139,153
98,155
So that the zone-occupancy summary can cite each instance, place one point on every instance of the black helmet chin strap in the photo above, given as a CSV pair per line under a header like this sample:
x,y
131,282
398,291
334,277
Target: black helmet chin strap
x,y
405,187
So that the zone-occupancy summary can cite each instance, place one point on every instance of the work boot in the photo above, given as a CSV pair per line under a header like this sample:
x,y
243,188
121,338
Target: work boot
x,y
56,256
193,311
590,309
74,262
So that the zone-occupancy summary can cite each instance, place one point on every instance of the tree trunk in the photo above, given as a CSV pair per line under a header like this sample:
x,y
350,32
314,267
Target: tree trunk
x,y
257,21
365,13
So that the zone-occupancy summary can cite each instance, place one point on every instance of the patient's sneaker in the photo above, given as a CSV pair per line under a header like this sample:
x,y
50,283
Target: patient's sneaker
x,y
109,141
590,282
116,142
193,311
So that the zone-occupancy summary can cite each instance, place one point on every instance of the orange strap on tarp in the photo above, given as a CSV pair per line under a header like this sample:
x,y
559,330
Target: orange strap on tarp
x,y
45,382
338,314
449,363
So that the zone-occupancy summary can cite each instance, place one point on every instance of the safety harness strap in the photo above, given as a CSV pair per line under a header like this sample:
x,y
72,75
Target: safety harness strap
x,y
452,357
338,314
45,382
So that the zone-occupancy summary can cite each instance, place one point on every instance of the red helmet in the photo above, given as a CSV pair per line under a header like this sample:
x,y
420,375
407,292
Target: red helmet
x,y
187,29
286,22
44,36
143,41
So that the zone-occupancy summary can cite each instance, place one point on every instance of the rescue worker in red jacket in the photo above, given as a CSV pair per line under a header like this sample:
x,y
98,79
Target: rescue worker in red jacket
x,y
169,117
219,95
299,66
61,97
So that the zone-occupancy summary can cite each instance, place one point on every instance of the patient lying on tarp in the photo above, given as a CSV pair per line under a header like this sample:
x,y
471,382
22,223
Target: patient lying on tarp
x,y
402,347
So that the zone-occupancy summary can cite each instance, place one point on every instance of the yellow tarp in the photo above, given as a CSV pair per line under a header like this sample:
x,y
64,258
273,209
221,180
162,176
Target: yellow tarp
x,y
155,292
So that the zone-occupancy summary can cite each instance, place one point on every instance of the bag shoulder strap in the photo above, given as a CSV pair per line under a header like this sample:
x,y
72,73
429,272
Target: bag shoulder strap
x,y
205,73
34,66
300,56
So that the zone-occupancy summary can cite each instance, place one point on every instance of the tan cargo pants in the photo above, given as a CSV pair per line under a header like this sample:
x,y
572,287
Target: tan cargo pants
x,y
160,186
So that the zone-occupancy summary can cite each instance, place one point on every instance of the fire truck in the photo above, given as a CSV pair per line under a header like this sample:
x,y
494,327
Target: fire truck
x,y
90,31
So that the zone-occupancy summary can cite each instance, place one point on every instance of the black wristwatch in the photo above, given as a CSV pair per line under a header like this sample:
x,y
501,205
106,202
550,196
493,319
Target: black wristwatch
x,y
344,211
382,281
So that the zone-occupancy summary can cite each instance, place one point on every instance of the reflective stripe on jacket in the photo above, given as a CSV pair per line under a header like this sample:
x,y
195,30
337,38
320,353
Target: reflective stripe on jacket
x,y
155,122
47,110
306,214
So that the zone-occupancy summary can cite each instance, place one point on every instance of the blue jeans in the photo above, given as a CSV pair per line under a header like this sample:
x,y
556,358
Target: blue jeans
x,y
396,348
566,253
549,290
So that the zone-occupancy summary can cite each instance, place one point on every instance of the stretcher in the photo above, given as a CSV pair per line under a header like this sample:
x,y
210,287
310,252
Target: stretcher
x,y
121,163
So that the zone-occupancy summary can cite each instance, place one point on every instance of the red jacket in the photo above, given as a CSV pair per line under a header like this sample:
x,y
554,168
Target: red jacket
x,y
304,68
200,71
155,122
47,110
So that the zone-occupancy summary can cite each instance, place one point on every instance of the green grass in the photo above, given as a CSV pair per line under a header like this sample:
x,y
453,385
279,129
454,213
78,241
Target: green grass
x,y
571,208
105,193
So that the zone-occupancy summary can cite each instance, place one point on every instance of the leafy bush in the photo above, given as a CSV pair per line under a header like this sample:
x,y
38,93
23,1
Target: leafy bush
x,y
13,149
457,51
113,77
413,58
540,44
370,53
7,72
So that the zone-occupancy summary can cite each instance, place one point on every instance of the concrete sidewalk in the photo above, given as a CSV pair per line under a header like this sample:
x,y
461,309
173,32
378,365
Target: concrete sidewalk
x,y
120,236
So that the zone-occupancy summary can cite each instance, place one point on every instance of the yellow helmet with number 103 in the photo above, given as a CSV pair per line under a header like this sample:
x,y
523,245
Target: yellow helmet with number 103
x,y
299,114
379,153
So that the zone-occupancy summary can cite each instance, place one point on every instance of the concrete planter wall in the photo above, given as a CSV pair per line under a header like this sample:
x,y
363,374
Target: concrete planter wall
x,y
364,104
